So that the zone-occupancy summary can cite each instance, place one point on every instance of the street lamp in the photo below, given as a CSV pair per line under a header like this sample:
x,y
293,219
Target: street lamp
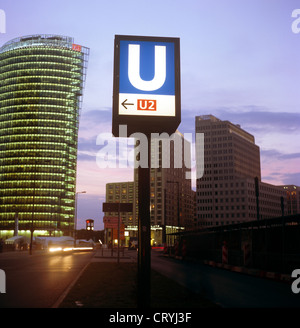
x,y
75,219
33,203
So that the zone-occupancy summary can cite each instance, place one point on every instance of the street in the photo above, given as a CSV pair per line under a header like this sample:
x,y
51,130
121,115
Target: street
x,y
226,288
38,280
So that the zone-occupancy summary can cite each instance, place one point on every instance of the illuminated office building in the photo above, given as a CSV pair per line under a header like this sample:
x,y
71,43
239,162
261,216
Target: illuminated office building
x,y
42,79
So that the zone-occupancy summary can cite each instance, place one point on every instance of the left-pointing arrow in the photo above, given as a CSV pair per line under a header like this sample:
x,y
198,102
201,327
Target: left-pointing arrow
x,y
126,104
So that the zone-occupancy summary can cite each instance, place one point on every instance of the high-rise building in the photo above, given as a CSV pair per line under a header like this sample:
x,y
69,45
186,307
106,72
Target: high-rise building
x,y
42,79
228,192
229,151
123,192
171,197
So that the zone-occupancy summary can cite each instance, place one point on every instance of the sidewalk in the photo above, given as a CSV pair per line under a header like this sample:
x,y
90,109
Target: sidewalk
x,y
105,283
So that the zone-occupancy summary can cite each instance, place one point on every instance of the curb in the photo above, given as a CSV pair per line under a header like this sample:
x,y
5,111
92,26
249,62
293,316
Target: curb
x,y
67,290
251,271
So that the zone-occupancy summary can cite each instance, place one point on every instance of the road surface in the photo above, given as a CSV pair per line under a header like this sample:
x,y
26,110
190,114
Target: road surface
x,y
38,280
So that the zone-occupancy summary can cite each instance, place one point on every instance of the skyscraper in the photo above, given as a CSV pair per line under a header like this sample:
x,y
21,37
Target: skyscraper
x,y
171,194
227,193
42,80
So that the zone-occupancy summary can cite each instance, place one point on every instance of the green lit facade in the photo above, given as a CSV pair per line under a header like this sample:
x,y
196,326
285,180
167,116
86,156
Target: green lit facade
x,y
41,85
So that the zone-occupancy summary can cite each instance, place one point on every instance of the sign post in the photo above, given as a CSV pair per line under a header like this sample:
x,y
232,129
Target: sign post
x,y
146,99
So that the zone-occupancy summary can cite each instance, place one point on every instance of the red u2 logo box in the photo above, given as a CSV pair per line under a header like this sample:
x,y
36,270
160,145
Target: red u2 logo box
x,y
146,104
76,47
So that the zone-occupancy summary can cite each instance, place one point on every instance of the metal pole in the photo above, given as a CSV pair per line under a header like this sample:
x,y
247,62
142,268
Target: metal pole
x,y
112,242
75,218
178,201
165,217
178,204
283,235
257,196
144,233
119,218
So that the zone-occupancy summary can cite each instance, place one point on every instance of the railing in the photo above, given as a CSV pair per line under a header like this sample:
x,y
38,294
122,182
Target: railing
x,y
272,245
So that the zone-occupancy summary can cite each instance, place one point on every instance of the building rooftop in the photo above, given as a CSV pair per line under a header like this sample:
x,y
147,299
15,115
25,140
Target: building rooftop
x,y
233,128
39,40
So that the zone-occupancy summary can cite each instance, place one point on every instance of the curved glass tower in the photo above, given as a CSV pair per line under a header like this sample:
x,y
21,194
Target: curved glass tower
x,y
41,84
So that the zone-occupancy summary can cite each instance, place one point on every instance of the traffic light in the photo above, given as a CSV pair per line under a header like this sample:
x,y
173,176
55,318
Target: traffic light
x,y
89,224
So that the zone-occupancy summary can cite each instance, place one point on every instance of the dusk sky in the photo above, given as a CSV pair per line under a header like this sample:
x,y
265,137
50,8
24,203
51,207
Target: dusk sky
x,y
239,62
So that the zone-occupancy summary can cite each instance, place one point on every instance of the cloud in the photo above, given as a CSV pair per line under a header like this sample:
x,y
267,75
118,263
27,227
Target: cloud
x,y
290,156
284,178
279,168
253,119
272,153
94,120
92,123
291,178
262,120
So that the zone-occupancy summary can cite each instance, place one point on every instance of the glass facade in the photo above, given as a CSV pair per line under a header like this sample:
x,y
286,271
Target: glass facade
x,y
41,84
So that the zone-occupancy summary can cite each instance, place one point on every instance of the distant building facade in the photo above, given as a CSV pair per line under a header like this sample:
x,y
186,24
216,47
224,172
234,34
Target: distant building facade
x,y
227,192
293,199
172,200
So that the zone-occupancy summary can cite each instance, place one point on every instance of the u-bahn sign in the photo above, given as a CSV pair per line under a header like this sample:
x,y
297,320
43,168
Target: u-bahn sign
x,y
146,93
